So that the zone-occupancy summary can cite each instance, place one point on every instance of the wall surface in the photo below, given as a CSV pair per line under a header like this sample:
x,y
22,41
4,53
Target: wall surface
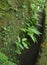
x,y
43,54
12,18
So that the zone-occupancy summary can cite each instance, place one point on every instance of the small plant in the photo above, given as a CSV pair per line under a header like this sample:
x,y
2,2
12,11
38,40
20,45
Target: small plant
x,y
4,60
3,57
29,29
21,44
1,15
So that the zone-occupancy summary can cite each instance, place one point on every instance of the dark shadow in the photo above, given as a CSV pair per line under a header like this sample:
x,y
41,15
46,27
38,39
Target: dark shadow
x,y
29,57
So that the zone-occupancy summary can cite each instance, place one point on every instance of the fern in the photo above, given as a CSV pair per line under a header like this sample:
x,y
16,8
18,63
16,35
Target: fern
x,y
21,44
4,60
30,29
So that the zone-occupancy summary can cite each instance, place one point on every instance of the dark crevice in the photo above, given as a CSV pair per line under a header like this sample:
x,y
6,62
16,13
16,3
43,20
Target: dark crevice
x,y
29,57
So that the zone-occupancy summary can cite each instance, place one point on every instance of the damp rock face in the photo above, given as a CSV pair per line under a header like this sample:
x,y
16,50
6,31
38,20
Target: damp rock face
x,y
43,54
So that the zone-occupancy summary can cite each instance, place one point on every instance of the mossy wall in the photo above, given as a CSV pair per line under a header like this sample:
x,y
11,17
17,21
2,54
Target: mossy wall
x,y
12,17
13,14
42,60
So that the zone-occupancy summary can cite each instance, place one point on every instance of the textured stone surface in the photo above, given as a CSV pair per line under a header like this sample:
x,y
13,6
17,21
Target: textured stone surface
x,y
43,55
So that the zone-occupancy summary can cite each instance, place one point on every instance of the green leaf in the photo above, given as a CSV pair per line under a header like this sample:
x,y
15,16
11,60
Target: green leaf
x,y
24,39
33,30
25,45
3,57
20,45
23,29
32,37
24,6
1,15
18,38
18,51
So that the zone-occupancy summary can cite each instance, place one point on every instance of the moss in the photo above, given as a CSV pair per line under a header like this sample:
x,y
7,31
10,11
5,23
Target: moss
x,y
12,18
42,60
